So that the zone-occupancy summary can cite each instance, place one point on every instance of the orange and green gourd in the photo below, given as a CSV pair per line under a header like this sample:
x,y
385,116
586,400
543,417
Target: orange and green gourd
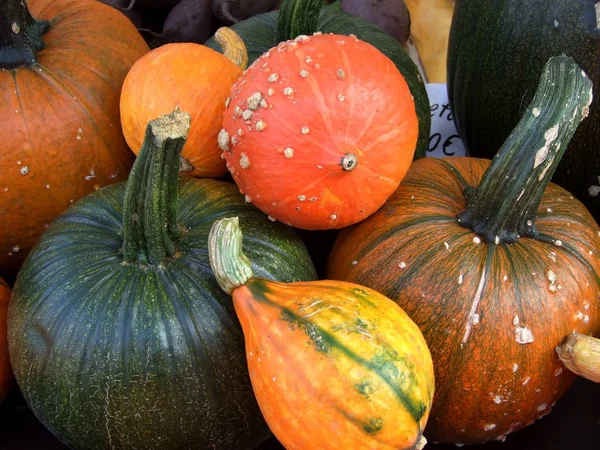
x,y
333,365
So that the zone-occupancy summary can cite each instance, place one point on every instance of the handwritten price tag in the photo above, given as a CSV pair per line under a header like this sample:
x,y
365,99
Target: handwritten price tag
x,y
443,140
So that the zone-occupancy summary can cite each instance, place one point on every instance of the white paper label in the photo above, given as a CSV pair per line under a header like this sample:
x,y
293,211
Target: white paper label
x,y
443,140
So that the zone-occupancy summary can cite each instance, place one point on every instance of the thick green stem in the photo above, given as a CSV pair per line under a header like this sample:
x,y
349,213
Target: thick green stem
x,y
150,207
230,265
21,36
504,205
298,17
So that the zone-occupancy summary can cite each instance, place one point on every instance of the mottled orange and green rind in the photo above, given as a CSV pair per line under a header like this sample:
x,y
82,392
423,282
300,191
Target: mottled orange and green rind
x,y
335,365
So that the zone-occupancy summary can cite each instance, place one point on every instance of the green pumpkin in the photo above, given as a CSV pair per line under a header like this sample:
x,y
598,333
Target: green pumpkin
x,y
264,31
120,336
496,52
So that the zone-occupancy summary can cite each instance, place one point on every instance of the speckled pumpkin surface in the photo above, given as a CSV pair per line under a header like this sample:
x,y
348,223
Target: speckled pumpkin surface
x,y
60,129
320,131
495,265
462,291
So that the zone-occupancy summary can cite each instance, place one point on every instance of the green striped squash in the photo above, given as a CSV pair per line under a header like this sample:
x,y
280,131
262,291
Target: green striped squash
x,y
120,336
496,52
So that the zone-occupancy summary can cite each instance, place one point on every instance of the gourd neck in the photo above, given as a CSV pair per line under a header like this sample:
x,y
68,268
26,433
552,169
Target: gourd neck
x,y
298,17
504,205
230,265
150,232
21,36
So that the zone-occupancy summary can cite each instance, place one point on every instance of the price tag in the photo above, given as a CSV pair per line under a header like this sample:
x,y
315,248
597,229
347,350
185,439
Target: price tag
x,y
443,140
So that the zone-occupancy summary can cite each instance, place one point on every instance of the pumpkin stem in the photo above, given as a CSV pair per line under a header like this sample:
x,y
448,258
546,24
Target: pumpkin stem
x,y
150,206
504,205
581,355
230,265
20,35
297,17
233,46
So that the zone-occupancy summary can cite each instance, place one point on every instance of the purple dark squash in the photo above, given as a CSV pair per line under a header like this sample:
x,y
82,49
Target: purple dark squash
x,y
190,21
229,12
390,15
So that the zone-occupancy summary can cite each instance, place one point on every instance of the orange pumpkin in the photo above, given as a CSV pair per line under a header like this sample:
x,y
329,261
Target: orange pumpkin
x,y
320,131
333,365
60,79
6,375
494,264
193,77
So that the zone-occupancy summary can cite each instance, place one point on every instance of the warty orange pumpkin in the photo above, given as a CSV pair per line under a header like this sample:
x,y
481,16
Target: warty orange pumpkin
x,y
333,365
494,264
60,76
320,131
193,77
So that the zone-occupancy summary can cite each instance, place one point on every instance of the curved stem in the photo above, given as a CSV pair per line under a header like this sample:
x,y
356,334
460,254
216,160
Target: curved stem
x,y
297,17
233,46
581,355
504,205
20,35
150,206
230,265
129,7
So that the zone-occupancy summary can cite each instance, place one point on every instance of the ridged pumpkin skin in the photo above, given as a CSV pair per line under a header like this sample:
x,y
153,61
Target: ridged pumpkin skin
x,y
529,296
195,78
335,366
60,130
297,115
496,51
120,355
6,375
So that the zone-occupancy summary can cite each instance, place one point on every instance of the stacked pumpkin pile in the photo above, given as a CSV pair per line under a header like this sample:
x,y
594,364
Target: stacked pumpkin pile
x,y
164,199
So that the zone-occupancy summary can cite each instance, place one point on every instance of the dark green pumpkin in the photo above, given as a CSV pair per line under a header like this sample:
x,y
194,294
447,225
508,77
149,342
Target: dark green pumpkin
x,y
496,52
120,336
264,31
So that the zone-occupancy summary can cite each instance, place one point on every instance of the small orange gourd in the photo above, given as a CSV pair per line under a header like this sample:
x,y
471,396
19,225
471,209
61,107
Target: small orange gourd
x,y
193,77
333,365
